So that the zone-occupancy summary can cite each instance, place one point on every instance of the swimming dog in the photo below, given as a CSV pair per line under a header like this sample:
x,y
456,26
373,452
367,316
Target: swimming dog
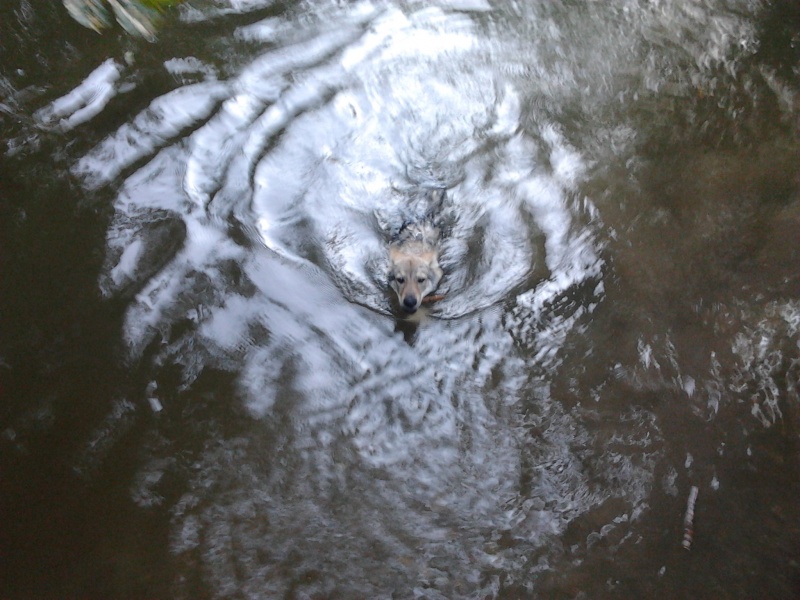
x,y
414,270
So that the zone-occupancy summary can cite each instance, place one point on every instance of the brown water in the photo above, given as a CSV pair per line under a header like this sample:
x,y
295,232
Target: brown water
x,y
206,392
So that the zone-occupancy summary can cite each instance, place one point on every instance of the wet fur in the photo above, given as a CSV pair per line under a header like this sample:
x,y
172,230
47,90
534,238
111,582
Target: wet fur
x,y
414,264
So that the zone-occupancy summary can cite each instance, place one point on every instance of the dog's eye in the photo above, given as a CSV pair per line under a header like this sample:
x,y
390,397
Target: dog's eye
x,y
421,279
400,280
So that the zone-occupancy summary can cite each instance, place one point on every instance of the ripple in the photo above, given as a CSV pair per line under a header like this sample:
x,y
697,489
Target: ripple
x,y
250,234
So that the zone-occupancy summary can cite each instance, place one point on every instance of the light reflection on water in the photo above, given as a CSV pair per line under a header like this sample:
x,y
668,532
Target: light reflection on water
x,y
493,443
423,443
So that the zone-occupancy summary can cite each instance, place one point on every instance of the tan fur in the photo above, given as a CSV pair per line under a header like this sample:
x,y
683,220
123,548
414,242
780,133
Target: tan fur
x,y
414,271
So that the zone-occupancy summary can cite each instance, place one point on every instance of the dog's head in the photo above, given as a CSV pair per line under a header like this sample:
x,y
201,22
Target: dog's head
x,y
413,276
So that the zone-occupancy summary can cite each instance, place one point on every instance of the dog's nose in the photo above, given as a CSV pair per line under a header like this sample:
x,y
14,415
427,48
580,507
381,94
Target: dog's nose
x,y
410,303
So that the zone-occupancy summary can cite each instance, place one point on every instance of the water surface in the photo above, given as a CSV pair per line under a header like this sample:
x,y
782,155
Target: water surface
x,y
208,391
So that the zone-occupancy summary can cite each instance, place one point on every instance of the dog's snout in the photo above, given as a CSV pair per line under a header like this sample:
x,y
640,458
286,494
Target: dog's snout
x,y
410,303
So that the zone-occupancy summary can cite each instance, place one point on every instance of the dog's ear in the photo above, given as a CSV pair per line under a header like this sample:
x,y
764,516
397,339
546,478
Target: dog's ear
x,y
436,274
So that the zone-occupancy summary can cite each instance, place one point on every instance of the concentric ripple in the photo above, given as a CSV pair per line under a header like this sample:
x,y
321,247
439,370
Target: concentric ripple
x,y
252,207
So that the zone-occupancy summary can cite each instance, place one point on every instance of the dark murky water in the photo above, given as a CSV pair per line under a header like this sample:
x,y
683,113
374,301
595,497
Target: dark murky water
x,y
206,391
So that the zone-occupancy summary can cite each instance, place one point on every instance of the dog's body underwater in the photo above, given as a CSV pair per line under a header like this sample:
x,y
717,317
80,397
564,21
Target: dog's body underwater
x,y
414,270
